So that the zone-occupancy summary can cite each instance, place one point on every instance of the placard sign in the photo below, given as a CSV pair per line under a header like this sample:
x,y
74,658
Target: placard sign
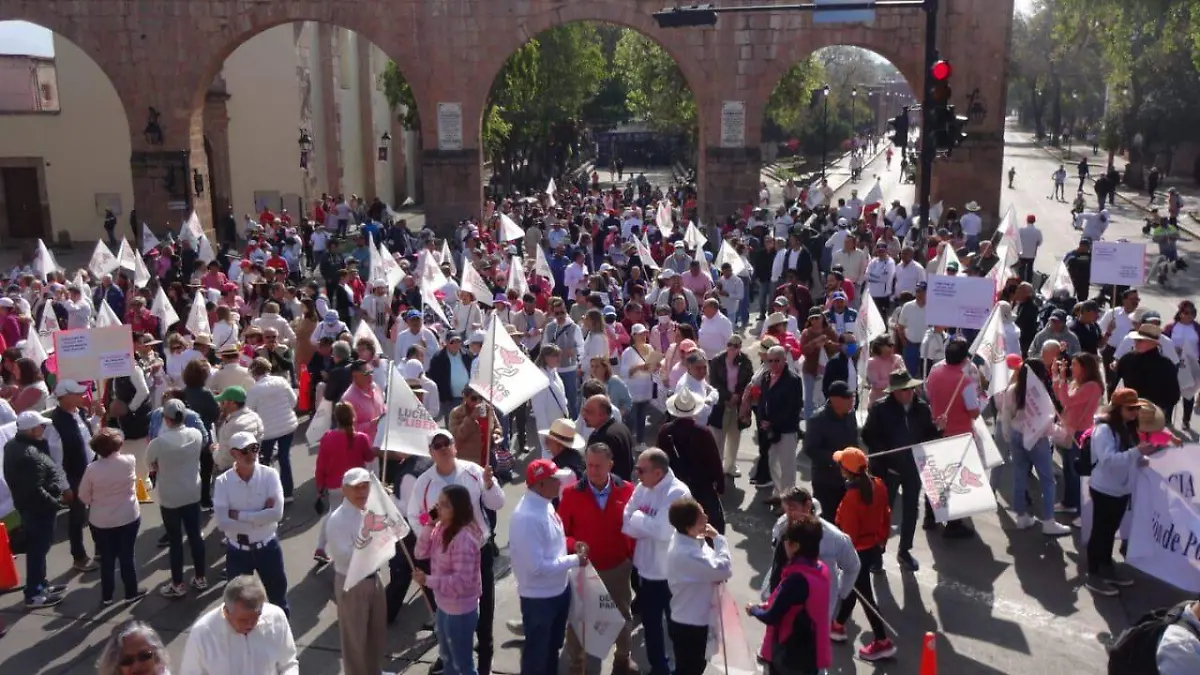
x,y
959,302
733,124
1122,263
450,126
94,354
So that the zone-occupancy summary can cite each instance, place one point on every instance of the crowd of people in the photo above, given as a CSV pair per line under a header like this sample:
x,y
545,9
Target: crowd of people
x,y
638,320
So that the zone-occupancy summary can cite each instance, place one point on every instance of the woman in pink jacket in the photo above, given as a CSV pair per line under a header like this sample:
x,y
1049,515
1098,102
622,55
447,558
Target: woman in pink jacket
x,y
1080,392
451,540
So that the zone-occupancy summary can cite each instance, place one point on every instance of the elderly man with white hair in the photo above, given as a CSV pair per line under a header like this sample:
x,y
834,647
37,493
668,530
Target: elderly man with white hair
x,y
244,634
414,373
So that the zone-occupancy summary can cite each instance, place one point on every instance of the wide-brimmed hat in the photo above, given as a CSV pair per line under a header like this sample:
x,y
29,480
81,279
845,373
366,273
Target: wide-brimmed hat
x,y
1150,417
972,206
1148,331
775,319
203,339
563,431
900,380
684,403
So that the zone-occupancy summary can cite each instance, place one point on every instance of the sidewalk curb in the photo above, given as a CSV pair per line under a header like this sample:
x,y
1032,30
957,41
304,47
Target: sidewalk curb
x,y
1065,157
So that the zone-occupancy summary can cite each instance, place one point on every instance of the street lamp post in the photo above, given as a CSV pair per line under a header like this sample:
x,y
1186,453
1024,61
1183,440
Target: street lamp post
x,y
1074,112
853,131
825,132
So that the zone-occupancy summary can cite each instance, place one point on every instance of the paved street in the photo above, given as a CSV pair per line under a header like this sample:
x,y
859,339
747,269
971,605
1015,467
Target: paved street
x,y
1007,602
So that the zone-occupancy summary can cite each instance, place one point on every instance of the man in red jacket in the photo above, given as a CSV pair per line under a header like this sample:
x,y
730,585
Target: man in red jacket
x,y
592,511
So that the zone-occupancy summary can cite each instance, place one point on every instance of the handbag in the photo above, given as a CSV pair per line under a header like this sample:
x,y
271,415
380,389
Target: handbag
x,y
1061,435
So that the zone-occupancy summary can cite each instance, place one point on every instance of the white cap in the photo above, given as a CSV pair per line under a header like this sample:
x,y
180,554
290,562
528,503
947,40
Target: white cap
x,y
31,420
7,302
478,337
356,476
413,369
65,387
242,440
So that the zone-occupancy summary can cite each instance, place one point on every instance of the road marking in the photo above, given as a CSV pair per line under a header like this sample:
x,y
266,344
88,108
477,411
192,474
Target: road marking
x,y
1076,634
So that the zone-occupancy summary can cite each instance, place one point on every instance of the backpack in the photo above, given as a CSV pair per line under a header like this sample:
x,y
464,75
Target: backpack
x,y
1084,463
1135,651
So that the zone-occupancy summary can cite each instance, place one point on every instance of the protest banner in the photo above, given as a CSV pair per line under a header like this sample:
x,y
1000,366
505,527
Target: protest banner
x,y
959,302
94,354
595,618
989,345
506,377
1121,263
1164,533
407,426
954,478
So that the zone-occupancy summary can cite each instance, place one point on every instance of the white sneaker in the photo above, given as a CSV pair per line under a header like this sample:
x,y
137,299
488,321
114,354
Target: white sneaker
x,y
515,627
1077,523
1053,528
1024,522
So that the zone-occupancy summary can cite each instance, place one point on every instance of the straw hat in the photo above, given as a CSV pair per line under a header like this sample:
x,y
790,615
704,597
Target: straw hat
x,y
563,431
683,403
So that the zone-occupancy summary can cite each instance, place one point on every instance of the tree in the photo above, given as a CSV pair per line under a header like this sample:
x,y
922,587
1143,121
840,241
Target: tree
x,y
789,102
658,93
847,67
400,96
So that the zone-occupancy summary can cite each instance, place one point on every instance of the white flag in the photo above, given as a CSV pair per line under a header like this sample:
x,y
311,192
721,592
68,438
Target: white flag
x,y
375,540
643,250
699,257
1039,413
431,302
874,196
1008,231
149,241
727,254
428,272
870,324
204,251
1060,281
662,218
815,196
541,266
407,426
935,214
593,613
1000,271
197,321
47,327
364,332
988,451
191,229
162,308
141,275
392,273
550,190
473,283
448,258
516,276
103,261
509,230
375,266
126,258
941,263
44,263
989,346
31,348
953,477
106,317
506,376
693,237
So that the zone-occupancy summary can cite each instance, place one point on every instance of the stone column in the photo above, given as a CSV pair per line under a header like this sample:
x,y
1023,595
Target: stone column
x,y
399,154
453,181
163,191
216,131
366,117
731,177
330,151
973,173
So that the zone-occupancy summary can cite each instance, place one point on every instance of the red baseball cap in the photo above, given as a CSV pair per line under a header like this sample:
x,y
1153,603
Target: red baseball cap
x,y
1031,218
541,469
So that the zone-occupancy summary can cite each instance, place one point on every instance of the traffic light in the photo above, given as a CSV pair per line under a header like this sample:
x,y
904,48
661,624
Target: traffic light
x,y
685,17
947,127
899,125
940,94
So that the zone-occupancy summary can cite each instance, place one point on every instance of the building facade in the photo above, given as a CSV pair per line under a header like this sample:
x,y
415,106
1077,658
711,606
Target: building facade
x,y
65,146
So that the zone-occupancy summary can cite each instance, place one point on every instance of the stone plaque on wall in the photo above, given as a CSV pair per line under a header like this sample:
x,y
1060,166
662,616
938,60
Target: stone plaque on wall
x,y
450,126
733,124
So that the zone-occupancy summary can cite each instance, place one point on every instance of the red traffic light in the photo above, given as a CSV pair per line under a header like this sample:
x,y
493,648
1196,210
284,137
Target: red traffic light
x,y
941,71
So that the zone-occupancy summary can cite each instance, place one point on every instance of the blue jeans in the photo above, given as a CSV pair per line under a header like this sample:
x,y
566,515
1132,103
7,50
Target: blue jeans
x,y
456,636
811,383
177,521
267,452
1039,458
1072,493
115,545
545,623
267,561
39,537
637,423
743,310
655,598
765,290
912,358
570,380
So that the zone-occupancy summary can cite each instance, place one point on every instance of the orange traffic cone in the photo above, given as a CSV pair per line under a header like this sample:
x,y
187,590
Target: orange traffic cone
x,y
8,566
929,655
143,495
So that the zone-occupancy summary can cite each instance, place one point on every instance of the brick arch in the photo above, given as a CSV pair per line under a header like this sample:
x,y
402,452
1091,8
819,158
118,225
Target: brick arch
x,y
688,54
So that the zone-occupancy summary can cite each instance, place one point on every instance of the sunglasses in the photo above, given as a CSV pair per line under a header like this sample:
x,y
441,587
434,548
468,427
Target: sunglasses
x,y
440,445
733,345
140,657
250,449
774,360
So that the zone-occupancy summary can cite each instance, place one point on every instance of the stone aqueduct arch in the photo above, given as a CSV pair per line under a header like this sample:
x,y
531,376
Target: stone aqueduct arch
x,y
165,53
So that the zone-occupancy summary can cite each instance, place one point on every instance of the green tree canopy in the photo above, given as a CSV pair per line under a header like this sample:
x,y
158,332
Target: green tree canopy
x,y
658,95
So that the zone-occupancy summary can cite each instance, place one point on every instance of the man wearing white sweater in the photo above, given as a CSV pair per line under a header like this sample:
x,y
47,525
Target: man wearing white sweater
x,y
274,400
646,521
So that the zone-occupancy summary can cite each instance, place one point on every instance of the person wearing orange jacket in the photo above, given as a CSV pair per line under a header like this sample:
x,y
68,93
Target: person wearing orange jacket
x,y
866,517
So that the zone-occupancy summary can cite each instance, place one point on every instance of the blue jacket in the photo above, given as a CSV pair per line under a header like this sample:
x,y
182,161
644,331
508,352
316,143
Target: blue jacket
x,y
191,419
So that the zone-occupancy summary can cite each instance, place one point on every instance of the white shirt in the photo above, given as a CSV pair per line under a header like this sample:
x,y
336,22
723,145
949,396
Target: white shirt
x,y
879,277
406,339
786,259
213,648
1118,318
907,276
736,290
79,314
1092,224
714,333
540,560
971,224
1030,239
854,263
340,529
255,519
646,521
912,320
573,277
467,474
696,571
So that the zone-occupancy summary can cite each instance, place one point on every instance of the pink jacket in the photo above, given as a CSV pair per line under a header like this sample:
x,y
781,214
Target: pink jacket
x,y
454,574
1080,405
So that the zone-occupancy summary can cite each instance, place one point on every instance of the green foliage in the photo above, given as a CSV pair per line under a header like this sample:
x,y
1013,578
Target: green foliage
x,y
399,94
789,103
657,93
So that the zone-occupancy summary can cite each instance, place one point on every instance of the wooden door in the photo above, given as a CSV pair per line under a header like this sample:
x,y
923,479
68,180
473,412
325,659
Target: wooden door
x,y
23,199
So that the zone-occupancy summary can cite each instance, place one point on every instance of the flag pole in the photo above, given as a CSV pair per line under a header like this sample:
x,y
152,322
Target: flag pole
x,y
721,627
893,451
487,442
412,565
868,605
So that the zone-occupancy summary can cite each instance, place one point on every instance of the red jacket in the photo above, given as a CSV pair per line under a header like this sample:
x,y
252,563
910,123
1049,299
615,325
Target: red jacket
x,y
583,521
